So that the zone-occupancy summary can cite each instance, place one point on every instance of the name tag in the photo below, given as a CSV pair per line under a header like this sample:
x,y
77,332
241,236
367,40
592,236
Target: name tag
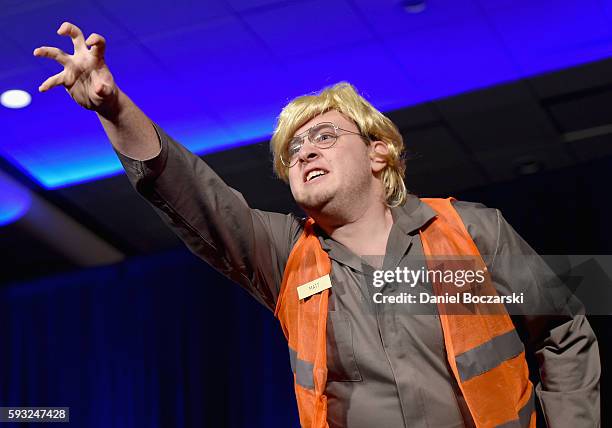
x,y
314,287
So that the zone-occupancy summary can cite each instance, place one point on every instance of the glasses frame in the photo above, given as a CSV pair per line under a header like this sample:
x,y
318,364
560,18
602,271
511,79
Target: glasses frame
x,y
306,133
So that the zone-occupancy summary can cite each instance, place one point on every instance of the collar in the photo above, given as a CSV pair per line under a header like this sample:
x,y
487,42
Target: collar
x,y
413,215
407,218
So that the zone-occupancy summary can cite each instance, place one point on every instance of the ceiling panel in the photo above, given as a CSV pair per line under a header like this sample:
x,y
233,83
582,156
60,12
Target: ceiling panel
x,y
433,146
219,46
592,148
541,35
417,115
573,79
38,27
493,98
161,17
509,162
442,181
505,4
18,7
389,19
489,125
249,100
247,5
122,57
492,131
20,61
299,29
366,66
583,112
452,59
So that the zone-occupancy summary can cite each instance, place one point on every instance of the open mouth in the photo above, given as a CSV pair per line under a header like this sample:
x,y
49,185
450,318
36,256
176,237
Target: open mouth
x,y
314,175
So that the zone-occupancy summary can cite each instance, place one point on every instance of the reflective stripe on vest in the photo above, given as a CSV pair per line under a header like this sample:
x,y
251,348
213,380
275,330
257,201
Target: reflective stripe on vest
x,y
303,370
484,351
488,355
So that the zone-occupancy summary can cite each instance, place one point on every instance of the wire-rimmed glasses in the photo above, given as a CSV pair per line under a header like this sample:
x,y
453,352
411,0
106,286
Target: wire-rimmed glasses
x,y
322,135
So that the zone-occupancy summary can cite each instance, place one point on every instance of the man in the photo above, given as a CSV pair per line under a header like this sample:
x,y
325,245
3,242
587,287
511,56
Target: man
x,y
357,363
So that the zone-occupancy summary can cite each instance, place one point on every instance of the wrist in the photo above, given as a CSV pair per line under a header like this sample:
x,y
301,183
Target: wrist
x,y
113,106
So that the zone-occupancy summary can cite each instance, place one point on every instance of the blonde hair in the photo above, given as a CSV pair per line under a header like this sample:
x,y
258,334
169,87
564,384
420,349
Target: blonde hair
x,y
344,98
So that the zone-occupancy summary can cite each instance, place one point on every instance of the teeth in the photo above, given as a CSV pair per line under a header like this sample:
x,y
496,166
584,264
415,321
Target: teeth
x,y
315,173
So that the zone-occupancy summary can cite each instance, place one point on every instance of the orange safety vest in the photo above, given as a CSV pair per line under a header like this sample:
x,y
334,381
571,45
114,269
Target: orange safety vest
x,y
483,348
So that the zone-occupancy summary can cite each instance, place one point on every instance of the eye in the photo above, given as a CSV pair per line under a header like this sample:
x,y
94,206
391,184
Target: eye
x,y
324,136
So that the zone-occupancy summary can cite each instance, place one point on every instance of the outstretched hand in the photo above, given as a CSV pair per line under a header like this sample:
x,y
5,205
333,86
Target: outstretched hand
x,y
86,76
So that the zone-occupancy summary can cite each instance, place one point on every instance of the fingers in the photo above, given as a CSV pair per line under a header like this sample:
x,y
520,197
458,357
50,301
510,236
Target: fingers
x,y
97,43
75,33
53,53
51,82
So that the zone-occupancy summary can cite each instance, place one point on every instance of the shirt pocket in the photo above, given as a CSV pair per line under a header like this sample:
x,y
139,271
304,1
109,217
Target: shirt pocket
x,y
341,361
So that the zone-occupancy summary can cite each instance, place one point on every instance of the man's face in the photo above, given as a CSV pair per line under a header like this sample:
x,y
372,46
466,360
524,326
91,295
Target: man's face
x,y
346,169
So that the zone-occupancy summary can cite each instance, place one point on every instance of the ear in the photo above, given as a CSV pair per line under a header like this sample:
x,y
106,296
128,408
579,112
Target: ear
x,y
379,151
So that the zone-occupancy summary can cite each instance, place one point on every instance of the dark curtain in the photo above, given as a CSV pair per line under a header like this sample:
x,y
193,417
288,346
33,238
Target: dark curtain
x,y
162,341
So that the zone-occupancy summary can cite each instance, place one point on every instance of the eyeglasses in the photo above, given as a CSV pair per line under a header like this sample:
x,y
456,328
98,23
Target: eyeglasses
x,y
322,135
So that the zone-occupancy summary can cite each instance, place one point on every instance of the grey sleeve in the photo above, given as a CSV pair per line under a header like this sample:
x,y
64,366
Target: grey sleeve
x,y
248,246
558,333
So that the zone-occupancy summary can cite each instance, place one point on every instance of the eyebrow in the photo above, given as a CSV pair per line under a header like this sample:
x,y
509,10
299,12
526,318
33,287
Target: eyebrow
x,y
312,126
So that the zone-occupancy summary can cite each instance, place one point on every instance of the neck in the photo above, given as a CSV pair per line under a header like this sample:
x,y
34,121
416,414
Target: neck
x,y
365,231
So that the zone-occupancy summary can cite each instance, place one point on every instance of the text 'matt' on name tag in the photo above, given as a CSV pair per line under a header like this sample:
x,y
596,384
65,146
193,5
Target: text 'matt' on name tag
x,y
314,287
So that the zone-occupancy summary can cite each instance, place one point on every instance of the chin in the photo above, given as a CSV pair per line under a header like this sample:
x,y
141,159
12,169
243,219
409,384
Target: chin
x,y
314,202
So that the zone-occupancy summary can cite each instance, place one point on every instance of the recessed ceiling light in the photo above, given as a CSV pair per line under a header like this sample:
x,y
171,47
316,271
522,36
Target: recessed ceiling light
x,y
15,98
414,6
527,166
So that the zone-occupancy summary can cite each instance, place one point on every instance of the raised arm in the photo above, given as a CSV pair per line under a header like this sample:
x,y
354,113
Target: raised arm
x,y
90,83
249,246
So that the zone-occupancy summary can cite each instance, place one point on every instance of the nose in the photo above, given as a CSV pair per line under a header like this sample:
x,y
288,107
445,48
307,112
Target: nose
x,y
308,152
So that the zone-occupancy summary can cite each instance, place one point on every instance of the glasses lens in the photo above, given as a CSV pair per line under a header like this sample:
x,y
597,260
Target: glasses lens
x,y
290,156
323,135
